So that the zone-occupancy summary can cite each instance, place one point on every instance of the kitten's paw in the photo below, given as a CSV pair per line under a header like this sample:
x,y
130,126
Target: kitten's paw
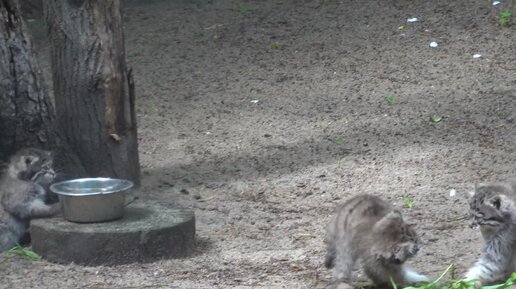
x,y
341,285
477,284
471,277
474,274
412,277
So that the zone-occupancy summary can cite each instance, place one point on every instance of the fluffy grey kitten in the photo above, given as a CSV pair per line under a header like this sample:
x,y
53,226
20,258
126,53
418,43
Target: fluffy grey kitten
x,y
23,194
367,228
492,207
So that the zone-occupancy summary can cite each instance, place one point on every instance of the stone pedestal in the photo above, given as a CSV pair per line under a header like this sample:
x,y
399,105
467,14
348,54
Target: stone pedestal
x,y
146,233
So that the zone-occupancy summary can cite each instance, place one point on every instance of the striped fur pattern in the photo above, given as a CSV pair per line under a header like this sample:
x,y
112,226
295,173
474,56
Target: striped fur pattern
x,y
367,229
23,194
493,209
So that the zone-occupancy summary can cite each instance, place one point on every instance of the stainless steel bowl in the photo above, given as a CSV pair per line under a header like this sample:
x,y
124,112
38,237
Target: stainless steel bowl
x,y
92,199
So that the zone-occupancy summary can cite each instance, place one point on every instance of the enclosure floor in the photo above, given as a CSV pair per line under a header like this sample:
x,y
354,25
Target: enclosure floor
x,y
262,141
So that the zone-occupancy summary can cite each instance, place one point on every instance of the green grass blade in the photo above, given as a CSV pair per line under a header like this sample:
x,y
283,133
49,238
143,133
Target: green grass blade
x,y
393,283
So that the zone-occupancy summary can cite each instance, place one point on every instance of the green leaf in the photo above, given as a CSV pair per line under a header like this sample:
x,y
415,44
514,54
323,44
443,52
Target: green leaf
x,y
503,21
505,14
274,46
24,252
389,99
32,255
409,202
339,139
436,118
393,283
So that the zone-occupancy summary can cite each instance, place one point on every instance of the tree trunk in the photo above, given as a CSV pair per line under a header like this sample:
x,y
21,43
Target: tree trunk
x,y
94,91
25,113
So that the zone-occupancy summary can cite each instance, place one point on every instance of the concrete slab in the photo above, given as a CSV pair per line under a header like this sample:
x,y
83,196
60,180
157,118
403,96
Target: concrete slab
x,y
147,232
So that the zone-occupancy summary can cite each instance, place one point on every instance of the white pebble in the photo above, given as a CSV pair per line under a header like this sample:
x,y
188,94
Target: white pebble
x,y
433,44
255,101
453,193
496,3
477,55
411,20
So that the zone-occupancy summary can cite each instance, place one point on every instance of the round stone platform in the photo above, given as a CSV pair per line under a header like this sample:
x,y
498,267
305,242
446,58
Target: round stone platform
x,y
146,233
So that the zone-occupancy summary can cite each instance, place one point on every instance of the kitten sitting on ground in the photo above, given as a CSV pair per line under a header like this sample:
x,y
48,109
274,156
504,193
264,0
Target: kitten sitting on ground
x,y
492,207
367,228
23,194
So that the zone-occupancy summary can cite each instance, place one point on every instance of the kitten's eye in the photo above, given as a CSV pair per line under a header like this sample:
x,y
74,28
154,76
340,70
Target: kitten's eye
x,y
496,203
47,166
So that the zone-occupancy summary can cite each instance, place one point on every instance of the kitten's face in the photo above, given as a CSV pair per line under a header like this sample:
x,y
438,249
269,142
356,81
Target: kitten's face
x,y
399,240
32,165
490,207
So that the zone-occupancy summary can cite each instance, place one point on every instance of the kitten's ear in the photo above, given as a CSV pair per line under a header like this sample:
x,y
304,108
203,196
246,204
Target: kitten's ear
x,y
469,195
391,222
394,215
502,202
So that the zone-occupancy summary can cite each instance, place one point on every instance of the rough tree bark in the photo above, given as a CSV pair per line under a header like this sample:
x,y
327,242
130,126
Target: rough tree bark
x,y
94,91
25,113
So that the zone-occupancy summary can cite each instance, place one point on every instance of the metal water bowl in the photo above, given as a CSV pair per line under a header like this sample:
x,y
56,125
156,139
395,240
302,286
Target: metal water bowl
x,y
92,200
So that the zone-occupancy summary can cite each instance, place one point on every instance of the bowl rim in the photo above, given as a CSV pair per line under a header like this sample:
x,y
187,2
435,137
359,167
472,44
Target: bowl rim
x,y
128,185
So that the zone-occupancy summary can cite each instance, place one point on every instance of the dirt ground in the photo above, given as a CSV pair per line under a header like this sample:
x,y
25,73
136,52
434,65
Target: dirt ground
x,y
263,115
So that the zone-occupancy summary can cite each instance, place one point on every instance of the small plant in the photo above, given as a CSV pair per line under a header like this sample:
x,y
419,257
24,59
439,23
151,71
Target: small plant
x,y
274,46
409,202
339,139
24,252
504,19
389,99
436,118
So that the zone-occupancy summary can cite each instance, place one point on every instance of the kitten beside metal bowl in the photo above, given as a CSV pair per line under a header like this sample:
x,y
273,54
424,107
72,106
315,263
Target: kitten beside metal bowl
x,y
92,200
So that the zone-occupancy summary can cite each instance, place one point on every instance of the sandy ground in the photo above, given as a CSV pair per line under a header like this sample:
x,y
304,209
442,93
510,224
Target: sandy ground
x,y
263,115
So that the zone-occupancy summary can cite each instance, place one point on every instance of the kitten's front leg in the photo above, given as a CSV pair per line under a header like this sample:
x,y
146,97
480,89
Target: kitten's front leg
x,y
485,273
38,209
344,262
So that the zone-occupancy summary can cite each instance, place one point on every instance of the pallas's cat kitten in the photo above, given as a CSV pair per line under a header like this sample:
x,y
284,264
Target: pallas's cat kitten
x,y
493,209
23,194
368,229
